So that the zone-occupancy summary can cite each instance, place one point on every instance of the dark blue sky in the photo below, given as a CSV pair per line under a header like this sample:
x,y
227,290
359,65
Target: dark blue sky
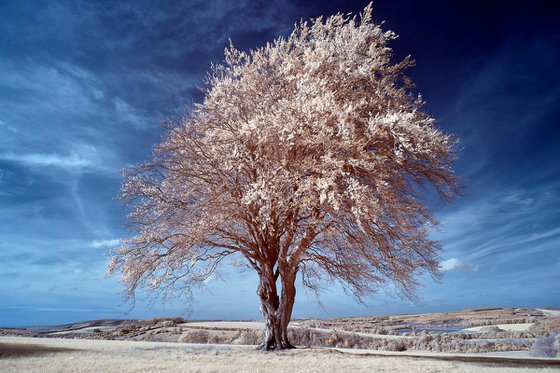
x,y
84,85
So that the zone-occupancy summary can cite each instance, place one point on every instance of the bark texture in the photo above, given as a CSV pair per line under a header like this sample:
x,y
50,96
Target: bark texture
x,y
277,310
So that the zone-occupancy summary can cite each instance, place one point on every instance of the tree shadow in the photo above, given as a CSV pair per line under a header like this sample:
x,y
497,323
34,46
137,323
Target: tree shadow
x,y
11,350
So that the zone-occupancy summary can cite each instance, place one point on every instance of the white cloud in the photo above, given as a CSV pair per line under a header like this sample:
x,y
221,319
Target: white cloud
x,y
97,244
82,156
519,197
47,160
454,264
126,112
8,128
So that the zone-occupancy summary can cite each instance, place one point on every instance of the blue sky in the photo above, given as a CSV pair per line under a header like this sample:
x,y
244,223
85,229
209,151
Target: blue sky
x,y
84,86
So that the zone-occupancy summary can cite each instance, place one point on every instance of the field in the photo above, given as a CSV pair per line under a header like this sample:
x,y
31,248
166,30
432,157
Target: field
x,y
497,340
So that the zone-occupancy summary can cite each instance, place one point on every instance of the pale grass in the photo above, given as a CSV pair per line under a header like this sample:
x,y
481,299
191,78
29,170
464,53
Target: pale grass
x,y
128,356
522,327
226,324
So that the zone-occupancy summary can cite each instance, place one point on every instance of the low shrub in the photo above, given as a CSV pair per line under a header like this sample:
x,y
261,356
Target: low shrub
x,y
248,337
548,346
195,336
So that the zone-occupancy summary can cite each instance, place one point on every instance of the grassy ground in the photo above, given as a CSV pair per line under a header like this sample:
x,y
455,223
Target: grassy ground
x,y
468,331
65,355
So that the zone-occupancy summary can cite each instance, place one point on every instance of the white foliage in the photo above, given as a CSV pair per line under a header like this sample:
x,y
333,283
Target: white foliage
x,y
305,153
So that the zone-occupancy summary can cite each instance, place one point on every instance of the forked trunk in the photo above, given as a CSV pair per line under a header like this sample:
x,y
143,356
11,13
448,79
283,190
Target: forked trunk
x,y
287,305
277,312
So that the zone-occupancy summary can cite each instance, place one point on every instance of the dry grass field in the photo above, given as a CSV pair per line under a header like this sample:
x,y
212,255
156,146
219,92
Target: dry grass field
x,y
497,340
65,355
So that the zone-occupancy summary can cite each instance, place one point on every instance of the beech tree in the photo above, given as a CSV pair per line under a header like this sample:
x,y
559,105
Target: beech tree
x,y
308,157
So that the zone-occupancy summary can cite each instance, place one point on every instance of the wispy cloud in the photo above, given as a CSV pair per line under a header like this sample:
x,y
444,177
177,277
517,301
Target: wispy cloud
x,y
48,160
11,129
454,264
520,197
97,244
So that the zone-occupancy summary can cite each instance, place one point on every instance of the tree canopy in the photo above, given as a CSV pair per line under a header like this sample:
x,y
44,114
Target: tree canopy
x,y
308,156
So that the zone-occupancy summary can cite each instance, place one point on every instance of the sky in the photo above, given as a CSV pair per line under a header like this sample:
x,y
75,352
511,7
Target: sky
x,y
84,87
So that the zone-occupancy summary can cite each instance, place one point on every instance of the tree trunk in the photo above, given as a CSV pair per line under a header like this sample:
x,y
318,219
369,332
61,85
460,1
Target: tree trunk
x,y
277,312
287,304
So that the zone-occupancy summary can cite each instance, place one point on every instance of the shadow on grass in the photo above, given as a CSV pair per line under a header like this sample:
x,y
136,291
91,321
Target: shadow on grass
x,y
27,350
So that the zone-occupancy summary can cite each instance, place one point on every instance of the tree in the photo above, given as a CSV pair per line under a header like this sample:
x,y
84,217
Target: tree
x,y
305,157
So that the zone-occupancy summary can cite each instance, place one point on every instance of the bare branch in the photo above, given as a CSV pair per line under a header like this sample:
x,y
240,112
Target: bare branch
x,y
308,155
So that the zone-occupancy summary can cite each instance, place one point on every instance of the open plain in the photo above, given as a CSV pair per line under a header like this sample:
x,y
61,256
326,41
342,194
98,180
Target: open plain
x,y
63,355
489,340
